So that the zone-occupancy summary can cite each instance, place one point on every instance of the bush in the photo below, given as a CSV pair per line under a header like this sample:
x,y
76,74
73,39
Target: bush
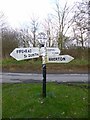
x,y
77,53
9,42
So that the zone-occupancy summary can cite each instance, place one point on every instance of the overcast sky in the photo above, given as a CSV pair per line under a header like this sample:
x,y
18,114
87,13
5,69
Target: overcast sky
x,y
20,11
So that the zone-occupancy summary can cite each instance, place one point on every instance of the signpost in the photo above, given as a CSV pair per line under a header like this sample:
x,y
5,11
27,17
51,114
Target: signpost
x,y
49,55
49,51
42,38
59,59
25,53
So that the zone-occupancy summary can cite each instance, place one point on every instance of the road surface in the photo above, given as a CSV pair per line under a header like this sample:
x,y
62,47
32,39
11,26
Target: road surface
x,y
27,78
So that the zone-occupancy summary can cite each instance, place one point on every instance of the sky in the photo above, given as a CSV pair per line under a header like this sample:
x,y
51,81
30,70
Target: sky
x,y
18,12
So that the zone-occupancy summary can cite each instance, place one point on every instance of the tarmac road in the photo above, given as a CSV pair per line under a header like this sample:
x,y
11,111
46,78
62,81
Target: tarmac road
x,y
27,78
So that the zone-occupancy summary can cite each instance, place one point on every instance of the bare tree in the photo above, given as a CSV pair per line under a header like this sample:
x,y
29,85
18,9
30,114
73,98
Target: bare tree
x,y
34,28
2,24
24,38
80,26
7,37
88,33
2,20
63,20
27,35
9,42
49,29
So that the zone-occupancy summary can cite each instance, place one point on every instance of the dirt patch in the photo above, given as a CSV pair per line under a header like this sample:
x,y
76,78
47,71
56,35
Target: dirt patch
x,y
50,69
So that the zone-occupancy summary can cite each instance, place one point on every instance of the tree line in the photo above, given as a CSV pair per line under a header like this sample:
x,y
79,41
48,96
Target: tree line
x,y
57,24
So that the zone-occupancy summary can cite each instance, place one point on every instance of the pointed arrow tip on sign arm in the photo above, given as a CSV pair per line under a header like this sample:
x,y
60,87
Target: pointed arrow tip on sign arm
x,y
59,59
70,58
12,55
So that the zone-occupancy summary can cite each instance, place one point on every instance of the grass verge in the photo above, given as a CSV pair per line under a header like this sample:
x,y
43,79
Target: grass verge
x,y
62,101
11,65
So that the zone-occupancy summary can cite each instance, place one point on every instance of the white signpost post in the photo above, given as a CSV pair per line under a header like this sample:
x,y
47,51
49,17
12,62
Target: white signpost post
x,y
49,55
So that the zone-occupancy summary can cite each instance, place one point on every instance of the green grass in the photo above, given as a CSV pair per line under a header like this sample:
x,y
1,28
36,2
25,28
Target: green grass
x,y
11,61
80,62
35,66
0,101
62,101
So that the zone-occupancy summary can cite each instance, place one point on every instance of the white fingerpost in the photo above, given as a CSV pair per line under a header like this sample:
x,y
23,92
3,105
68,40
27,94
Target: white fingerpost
x,y
49,55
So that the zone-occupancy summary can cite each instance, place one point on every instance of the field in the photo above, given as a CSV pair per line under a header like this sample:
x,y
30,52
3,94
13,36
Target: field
x,y
0,101
62,101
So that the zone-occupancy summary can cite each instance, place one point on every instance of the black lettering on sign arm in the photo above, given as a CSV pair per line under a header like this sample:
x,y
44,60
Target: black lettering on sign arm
x,y
49,59
64,58
25,56
16,51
